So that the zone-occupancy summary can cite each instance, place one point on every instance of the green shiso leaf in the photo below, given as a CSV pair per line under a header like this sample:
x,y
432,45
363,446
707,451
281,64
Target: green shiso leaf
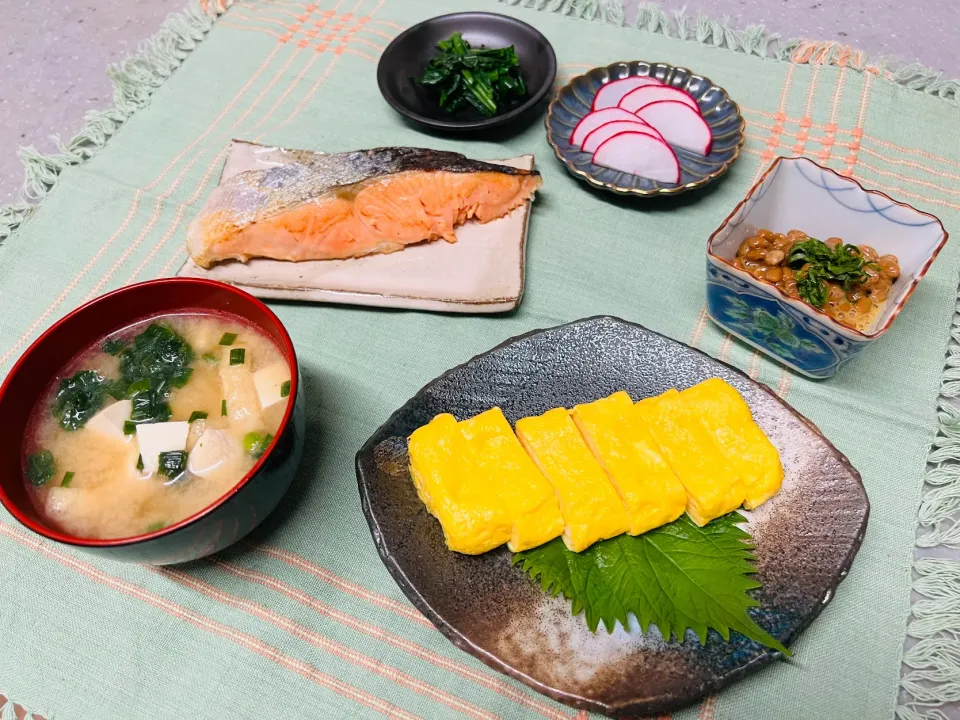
x,y
676,577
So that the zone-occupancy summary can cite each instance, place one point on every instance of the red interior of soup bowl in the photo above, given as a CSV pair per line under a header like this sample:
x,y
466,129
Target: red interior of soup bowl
x,y
74,333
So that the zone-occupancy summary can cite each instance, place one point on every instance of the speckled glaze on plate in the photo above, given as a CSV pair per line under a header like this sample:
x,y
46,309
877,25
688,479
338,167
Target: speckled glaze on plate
x,y
722,114
806,537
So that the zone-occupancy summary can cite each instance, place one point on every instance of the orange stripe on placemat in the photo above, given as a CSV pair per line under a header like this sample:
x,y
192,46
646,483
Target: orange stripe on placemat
x,y
130,215
484,679
379,33
773,116
285,24
708,709
774,140
857,132
264,31
725,346
238,637
871,138
830,135
282,3
699,326
912,151
807,120
373,665
911,164
753,368
342,584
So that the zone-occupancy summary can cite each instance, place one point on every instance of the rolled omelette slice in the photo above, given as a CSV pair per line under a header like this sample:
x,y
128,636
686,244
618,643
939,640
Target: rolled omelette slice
x,y
473,516
499,459
590,506
727,416
713,486
620,441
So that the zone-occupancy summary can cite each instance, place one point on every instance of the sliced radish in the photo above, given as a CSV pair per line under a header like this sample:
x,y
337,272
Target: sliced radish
x,y
679,124
592,120
608,130
609,95
636,99
640,154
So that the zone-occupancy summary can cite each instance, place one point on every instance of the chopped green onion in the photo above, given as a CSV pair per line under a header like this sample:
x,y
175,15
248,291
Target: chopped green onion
x,y
237,356
40,467
138,387
255,444
129,427
139,462
172,463
228,338
209,357
197,415
181,378
67,479
113,346
153,527
285,388
223,408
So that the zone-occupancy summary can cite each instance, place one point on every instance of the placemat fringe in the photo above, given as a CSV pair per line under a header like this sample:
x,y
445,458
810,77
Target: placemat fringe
x,y
134,82
934,659
752,40
933,630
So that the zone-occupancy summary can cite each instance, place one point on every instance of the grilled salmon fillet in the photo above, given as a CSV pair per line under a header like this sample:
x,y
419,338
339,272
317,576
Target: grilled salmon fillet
x,y
342,205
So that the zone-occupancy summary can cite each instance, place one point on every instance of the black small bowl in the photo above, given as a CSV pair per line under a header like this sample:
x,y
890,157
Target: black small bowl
x,y
408,55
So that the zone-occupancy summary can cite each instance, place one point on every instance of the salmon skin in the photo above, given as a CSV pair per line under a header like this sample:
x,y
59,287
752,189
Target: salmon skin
x,y
341,205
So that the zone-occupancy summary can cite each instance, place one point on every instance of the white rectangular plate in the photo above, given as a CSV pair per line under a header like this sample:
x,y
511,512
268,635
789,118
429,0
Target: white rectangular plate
x,y
483,272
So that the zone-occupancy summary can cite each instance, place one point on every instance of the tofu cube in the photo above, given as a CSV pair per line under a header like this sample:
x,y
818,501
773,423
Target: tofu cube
x,y
235,356
269,382
156,438
110,420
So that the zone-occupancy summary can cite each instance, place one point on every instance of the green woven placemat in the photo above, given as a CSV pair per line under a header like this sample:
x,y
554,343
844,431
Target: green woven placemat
x,y
303,620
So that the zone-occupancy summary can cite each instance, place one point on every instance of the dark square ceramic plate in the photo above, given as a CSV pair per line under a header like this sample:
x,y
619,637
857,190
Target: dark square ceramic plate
x,y
806,537
408,54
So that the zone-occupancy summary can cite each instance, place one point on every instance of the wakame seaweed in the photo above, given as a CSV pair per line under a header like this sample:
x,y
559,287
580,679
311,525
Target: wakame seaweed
x,y
155,364
79,397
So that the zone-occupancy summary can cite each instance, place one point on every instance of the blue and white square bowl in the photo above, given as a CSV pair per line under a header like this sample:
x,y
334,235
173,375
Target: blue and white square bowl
x,y
797,193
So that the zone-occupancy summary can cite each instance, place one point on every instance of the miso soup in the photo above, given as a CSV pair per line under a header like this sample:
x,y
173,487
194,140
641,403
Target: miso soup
x,y
153,424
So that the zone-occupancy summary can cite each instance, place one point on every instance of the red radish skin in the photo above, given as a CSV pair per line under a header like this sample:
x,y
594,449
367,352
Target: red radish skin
x,y
679,124
637,99
609,95
606,131
637,153
592,120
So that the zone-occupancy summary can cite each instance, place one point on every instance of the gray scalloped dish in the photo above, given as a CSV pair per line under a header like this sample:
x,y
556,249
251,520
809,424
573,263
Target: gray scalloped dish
x,y
806,537
720,112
